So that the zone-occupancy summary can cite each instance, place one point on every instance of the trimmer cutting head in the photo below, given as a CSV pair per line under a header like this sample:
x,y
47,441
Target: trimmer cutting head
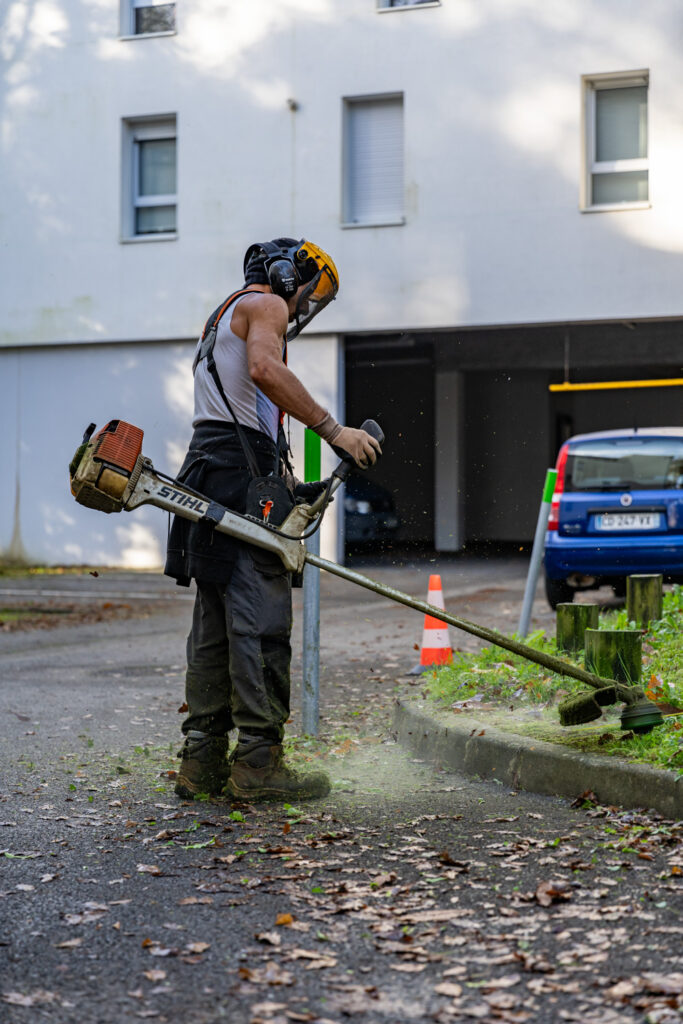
x,y
641,717
107,465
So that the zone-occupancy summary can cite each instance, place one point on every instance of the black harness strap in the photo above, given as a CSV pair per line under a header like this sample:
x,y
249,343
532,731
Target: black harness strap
x,y
205,351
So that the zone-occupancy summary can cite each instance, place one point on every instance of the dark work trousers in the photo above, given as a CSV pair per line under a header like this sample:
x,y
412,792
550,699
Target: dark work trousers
x,y
238,651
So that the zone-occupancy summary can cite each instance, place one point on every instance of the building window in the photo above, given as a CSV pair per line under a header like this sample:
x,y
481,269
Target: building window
x,y
616,141
147,17
149,162
390,5
373,161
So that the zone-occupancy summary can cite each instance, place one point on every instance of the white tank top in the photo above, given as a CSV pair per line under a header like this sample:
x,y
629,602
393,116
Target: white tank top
x,y
252,408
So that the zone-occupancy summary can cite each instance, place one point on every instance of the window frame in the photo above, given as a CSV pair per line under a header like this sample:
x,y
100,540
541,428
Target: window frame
x,y
407,7
135,131
347,103
591,85
127,19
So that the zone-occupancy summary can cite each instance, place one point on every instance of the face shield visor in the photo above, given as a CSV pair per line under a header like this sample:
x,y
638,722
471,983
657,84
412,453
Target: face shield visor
x,y
322,284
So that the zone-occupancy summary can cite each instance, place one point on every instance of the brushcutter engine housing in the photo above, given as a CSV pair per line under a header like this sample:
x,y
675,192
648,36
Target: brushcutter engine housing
x,y
106,467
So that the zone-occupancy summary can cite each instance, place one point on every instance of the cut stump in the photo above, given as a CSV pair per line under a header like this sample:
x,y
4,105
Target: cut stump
x,y
572,622
644,599
615,654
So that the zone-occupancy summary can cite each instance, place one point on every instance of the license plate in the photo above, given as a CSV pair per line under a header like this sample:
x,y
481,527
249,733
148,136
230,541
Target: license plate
x,y
628,521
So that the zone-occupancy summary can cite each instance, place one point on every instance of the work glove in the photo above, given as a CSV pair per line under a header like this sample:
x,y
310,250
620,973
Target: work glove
x,y
362,448
305,494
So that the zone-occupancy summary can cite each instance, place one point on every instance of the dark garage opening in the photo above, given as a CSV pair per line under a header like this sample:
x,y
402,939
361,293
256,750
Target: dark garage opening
x,y
390,378
512,425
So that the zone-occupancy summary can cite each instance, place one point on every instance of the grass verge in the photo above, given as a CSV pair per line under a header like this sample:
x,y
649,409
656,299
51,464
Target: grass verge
x,y
524,696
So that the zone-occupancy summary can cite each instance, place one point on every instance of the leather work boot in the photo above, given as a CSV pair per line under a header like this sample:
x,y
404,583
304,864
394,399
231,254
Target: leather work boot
x,y
262,774
204,766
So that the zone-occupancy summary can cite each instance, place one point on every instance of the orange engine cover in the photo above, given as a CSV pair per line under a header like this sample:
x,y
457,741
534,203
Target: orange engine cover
x,y
119,444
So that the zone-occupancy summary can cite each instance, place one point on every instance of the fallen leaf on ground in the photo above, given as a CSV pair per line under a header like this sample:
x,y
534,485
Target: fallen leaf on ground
x,y
149,869
552,892
91,912
154,975
270,974
198,947
34,999
448,988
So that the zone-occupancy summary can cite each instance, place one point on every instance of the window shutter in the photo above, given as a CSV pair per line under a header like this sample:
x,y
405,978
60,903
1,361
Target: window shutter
x,y
374,160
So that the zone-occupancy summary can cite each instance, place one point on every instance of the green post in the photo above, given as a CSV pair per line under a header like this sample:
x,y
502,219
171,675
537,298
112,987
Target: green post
x,y
311,456
310,689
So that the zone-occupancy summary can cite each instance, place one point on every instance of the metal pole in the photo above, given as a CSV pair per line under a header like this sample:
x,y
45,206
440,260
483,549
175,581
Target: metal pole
x,y
310,689
537,552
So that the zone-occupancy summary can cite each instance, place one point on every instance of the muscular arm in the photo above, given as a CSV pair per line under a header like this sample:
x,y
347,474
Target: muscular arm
x,y
262,322
266,324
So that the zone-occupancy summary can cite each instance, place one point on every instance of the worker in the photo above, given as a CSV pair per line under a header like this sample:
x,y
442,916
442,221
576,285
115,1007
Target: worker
x,y
238,649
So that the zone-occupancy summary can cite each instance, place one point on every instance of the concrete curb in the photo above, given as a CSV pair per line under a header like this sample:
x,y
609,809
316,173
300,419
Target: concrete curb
x,y
476,748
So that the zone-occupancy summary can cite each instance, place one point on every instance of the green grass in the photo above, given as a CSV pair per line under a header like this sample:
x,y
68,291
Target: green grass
x,y
509,681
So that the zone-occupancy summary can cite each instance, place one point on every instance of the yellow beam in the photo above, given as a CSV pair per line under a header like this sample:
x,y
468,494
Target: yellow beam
x,y
613,385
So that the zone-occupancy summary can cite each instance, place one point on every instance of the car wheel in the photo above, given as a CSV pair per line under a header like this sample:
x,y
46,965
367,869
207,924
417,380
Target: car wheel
x,y
558,592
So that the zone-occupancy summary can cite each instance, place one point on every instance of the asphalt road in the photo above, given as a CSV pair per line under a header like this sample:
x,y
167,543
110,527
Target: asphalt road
x,y
409,894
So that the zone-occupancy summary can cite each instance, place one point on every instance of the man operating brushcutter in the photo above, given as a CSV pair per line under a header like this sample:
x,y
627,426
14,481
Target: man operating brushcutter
x,y
238,650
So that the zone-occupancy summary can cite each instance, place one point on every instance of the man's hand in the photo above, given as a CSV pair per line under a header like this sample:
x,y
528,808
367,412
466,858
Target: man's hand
x,y
362,448
307,493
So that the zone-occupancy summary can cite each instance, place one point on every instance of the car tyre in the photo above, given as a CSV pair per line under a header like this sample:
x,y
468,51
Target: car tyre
x,y
558,592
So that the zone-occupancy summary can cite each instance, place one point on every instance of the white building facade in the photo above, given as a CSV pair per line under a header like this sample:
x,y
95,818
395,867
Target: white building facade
x,y
497,180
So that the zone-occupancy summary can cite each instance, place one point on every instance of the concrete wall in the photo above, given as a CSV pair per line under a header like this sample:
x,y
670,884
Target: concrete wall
x,y
492,235
492,161
47,398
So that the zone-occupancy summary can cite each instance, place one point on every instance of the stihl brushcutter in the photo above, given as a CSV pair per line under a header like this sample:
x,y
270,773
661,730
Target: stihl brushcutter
x,y
109,473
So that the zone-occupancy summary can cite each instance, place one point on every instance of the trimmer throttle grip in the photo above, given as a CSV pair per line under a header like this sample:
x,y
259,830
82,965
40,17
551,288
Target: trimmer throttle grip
x,y
348,463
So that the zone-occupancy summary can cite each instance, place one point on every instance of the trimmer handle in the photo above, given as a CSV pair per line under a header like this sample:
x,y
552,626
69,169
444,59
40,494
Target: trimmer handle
x,y
347,463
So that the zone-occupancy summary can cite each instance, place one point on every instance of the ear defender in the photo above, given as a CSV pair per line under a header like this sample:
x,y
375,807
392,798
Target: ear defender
x,y
283,278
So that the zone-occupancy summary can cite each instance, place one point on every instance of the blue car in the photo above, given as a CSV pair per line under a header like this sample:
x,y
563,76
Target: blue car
x,y
617,509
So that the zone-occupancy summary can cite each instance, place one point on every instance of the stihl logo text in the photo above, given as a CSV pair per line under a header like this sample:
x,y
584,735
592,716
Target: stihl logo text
x,y
182,499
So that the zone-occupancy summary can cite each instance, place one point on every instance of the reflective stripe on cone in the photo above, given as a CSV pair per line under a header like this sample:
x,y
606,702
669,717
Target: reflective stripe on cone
x,y
436,645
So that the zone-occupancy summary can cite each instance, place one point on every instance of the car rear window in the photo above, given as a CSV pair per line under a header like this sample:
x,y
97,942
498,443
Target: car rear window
x,y
632,463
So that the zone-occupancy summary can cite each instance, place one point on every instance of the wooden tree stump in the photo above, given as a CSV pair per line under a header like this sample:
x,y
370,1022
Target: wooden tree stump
x,y
572,622
615,654
644,599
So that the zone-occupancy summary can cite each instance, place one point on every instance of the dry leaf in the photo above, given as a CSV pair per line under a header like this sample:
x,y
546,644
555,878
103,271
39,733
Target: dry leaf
x,y
552,892
272,938
149,869
324,961
198,947
69,944
39,996
507,981
284,919
155,974
448,988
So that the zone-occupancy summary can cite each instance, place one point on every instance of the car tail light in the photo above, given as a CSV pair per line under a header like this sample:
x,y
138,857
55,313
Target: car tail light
x,y
554,517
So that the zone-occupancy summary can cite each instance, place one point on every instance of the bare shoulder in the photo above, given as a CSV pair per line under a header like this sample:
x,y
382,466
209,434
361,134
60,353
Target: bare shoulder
x,y
261,310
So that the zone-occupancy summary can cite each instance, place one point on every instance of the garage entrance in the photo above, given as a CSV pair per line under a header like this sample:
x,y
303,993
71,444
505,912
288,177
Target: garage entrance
x,y
469,418
390,378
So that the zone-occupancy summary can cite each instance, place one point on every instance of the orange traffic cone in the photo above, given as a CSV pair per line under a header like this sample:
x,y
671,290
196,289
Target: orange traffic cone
x,y
436,645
